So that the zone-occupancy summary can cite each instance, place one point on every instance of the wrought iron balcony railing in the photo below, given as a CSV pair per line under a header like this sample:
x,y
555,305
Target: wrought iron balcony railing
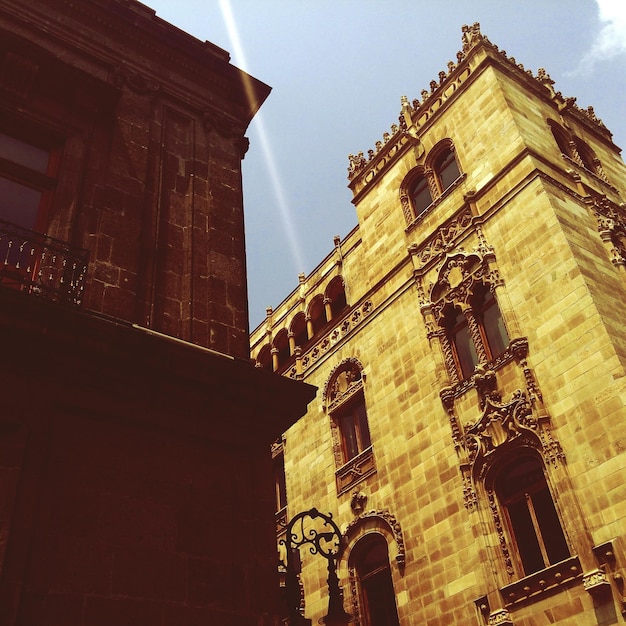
x,y
41,265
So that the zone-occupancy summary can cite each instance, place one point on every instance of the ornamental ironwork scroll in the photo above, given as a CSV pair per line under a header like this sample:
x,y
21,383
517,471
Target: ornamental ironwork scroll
x,y
319,534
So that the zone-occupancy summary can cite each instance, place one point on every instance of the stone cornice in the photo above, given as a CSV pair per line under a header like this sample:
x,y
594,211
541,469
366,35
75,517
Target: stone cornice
x,y
105,32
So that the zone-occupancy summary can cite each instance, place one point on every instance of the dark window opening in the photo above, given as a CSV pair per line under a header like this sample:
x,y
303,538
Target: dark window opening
x,y
317,314
586,154
531,516
446,169
281,343
420,196
487,313
280,484
353,428
376,592
463,348
298,328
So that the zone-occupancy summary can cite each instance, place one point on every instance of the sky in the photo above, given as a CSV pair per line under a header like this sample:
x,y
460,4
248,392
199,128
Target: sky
x,y
338,68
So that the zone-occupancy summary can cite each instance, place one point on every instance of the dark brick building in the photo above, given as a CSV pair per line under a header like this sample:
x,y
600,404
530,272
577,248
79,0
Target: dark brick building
x,y
135,486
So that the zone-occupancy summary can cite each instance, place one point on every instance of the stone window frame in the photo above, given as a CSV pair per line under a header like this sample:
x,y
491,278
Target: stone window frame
x,y
336,399
384,524
429,172
512,457
577,151
460,277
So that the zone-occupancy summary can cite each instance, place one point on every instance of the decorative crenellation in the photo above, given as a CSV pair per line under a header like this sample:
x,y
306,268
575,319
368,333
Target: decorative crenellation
x,y
413,115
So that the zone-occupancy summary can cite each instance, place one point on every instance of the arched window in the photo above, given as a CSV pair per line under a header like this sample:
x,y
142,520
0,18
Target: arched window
x,y
337,295
317,315
298,328
465,307
352,443
376,597
281,347
487,313
264,358
587,155
420,196
463,348
445,168
561,138
353,427
531,517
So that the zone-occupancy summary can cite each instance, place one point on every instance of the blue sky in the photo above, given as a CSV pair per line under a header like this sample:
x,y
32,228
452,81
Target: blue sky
x,y
338,69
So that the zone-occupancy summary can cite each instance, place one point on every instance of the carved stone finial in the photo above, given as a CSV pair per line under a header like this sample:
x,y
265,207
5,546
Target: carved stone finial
x,y
358,502
471,35
486,384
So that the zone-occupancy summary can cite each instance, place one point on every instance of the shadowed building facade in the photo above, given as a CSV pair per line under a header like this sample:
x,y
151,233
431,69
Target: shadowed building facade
x,y
468,342
135,486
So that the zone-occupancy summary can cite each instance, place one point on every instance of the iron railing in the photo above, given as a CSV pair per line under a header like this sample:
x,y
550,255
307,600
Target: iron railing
x,y
41,265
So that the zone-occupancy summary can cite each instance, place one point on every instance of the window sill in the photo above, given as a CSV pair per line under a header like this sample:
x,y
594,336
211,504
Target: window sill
x,y
544,581
355,470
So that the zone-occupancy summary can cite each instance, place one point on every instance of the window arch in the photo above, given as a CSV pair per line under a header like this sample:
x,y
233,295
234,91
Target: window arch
x,y
352,443
529,514
460,339
444,165
466,309
336,293
281,349
371,572
420,195
562,139
298,329
264,358
587,156
317,315
424,185
486,311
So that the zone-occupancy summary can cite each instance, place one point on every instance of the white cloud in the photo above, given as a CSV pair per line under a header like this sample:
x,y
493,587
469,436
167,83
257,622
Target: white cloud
x,y
611,40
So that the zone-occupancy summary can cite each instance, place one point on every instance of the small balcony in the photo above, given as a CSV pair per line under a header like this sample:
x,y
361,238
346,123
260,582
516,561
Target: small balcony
x,y
41,265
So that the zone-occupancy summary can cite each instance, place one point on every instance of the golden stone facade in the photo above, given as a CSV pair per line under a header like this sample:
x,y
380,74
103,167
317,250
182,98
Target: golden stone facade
x,y
468,345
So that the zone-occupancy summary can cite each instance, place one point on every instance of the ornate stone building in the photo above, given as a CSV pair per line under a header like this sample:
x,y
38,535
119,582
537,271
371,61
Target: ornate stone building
x,y
469,346
135,485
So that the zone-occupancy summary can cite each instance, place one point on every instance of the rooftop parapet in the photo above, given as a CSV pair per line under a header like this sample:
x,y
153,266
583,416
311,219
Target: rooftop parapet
x,y
416,113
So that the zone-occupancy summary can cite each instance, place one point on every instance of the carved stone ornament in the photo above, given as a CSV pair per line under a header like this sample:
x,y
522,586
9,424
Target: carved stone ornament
x,y
596,582
499,424
389,521
471,36
500,617
457,276
358,502
344,381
